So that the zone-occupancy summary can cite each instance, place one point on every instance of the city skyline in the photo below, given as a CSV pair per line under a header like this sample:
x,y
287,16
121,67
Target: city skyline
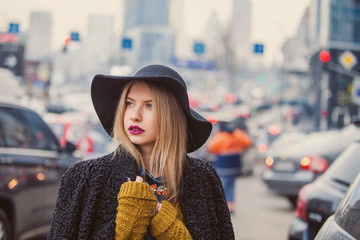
x,y
269,24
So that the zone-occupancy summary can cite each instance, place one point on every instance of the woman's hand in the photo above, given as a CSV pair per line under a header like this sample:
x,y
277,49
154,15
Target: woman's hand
x,y
138,179
158,204
157,208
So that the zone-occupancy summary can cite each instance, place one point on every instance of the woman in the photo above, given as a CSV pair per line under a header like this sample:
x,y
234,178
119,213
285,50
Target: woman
x,y
148,188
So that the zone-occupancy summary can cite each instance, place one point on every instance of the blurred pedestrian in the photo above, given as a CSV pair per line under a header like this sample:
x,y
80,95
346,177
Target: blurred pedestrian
x,y
148,188
229,144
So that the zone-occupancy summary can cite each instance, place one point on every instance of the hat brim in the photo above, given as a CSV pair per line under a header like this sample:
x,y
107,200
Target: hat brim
x,y
106,91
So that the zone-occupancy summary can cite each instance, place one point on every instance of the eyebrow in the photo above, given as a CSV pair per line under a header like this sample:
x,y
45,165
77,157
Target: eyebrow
x,y
147,101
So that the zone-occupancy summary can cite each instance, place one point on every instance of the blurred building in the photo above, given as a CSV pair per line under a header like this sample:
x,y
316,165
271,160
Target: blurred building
x,y
240,30
38,45
337,30
296,83
93,52
333,26
214,39
146,27
296,49
38,62
150,45
99,45
145,13
177,16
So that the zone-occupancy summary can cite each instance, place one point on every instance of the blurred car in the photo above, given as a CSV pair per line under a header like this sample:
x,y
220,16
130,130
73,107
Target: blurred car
x,y
311,157
284,141
56,107
90,138
291,168
265,135
347,135
345,223
32,163
102,142
319,200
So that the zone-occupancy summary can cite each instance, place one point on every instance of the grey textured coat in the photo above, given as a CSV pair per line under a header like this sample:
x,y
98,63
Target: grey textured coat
x,y
87,199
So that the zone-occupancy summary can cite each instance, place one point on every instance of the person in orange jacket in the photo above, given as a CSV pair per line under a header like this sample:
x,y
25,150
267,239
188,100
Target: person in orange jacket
x,y
228,145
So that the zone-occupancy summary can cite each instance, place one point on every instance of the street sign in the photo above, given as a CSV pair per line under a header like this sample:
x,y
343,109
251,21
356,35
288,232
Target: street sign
x,y
199,48
197,64
12,58
356,91
13,28
258,48
126,43
9,38
74,36
348,60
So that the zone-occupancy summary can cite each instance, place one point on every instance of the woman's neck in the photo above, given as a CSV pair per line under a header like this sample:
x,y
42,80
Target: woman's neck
x,y
146,156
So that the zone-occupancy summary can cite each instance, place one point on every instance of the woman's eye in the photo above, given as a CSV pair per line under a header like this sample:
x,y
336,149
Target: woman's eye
x,y
129,103
149,106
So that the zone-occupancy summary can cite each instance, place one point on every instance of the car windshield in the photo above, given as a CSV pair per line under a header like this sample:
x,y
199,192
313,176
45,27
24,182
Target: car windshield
x,y
313,143
286,140
347,135
346,166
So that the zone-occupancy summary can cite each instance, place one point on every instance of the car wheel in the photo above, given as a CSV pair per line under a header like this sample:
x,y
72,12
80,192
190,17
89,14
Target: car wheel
x,y
4,226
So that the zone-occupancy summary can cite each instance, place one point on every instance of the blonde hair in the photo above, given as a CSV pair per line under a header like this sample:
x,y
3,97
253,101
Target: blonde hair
x,y
169,152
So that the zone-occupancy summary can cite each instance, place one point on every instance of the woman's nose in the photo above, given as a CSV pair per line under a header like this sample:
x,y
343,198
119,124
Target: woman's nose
x,y
135,115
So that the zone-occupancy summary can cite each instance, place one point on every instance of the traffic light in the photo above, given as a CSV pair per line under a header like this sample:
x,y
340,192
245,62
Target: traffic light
x,y
66,43
260,79
324,56
74,37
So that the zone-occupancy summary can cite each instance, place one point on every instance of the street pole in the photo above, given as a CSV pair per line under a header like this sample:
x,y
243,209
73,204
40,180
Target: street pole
x,y
318,96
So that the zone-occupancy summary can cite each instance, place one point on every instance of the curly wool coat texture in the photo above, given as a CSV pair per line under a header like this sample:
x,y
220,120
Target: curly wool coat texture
x,y
87,201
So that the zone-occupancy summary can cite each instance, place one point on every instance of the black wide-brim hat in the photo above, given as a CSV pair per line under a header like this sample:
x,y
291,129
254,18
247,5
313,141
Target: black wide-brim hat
x,y
107,90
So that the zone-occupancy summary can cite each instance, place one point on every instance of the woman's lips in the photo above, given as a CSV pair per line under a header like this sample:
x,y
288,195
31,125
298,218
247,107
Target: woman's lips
x,y
135,130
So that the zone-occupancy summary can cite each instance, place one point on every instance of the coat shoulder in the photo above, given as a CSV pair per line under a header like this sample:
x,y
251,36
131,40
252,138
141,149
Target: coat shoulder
x,y
196,166
89,165
101,166
198,163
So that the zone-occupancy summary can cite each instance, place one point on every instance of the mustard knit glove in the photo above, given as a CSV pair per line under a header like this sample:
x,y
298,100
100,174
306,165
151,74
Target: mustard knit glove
x,y
165,225
135,209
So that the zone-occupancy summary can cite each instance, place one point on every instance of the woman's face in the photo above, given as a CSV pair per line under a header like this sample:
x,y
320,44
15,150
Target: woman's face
x,y
139,117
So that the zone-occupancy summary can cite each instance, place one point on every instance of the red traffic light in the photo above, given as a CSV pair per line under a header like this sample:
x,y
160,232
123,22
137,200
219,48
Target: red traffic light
x,y
324,56
67,41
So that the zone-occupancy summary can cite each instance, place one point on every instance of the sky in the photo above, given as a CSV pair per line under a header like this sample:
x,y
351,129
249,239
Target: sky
x,y
272,21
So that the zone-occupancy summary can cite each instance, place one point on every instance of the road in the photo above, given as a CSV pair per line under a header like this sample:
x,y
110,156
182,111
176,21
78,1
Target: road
x,y
259,213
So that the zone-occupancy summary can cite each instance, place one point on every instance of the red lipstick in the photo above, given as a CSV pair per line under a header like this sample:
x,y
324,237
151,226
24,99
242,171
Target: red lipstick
x,y
135,130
